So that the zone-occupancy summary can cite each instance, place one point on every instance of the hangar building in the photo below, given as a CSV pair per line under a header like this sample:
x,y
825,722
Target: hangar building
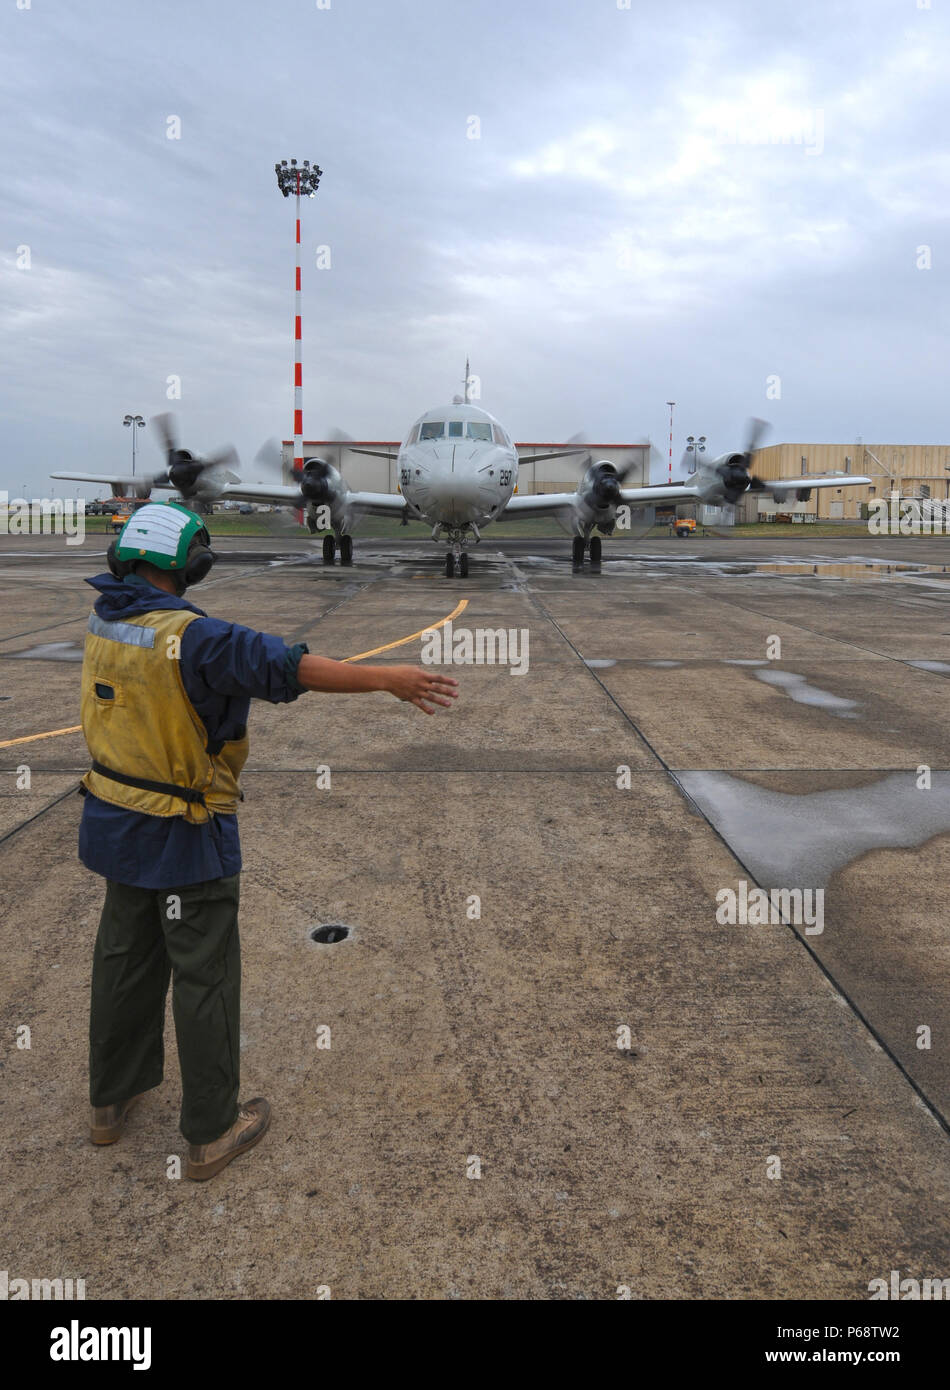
x,y
912,470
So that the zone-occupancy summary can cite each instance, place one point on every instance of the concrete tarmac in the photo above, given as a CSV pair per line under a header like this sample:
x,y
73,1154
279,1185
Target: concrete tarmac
x,y
551,1070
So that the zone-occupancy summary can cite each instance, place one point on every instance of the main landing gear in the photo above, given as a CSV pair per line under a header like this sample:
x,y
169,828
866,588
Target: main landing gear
x,y
578,547
329,550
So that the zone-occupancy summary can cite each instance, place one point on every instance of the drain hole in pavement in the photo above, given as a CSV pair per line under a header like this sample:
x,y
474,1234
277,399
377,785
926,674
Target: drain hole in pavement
x,y
329,935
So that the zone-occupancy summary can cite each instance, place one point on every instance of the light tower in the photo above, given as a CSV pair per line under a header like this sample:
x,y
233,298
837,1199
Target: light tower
x,y
303,181
695,447
134,422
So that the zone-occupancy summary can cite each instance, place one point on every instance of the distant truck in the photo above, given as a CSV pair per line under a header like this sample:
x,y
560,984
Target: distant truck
x,y
119,509
685,526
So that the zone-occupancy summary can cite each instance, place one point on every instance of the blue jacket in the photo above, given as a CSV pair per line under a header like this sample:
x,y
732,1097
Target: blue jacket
x,y
223,667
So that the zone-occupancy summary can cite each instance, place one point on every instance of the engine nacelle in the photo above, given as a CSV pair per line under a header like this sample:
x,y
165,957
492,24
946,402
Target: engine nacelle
x,y
733,470
602,485
320,482
195,478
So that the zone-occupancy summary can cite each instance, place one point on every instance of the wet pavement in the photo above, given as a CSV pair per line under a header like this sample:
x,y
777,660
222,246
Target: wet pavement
x,y
534,985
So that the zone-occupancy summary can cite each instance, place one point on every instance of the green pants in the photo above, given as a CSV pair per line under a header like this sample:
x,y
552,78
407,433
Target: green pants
x,y
146,936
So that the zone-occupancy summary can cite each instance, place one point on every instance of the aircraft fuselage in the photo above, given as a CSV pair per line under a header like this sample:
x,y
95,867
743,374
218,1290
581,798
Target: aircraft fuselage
x,y
457,468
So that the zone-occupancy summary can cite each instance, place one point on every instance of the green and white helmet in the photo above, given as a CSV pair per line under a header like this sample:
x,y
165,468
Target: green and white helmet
x,y
160,533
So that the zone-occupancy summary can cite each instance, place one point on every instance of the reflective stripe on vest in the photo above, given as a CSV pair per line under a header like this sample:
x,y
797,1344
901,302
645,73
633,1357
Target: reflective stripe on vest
x,y
122,632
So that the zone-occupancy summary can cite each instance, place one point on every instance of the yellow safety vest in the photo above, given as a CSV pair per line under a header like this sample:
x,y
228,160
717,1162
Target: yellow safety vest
x,y
139,722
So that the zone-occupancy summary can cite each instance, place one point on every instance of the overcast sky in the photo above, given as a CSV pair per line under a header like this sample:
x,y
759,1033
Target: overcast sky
x,y
706,202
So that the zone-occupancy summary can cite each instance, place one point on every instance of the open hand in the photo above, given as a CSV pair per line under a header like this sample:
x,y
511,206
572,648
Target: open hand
x,y
419,684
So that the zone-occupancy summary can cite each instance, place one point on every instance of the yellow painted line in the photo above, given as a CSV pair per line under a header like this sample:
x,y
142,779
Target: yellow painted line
x,y
31,738
77,728
463,604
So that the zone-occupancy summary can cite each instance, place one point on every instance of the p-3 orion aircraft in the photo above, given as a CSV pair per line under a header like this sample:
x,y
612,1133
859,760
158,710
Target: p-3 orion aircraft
x,y
458,472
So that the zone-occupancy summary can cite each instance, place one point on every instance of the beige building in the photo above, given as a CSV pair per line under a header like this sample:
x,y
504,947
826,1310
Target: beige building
x,y
912,470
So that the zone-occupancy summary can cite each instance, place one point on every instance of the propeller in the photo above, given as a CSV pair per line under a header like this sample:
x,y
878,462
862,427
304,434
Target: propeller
x,y
316,481
269,460
194,475
604,481
736,471
268,468
607,477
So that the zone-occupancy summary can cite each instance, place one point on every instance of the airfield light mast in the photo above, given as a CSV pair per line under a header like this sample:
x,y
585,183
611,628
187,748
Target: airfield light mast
x,y
303,181
134,422
696,447
671,405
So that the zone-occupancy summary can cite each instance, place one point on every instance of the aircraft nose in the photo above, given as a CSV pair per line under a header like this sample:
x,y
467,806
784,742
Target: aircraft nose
x,y
463,497
459,489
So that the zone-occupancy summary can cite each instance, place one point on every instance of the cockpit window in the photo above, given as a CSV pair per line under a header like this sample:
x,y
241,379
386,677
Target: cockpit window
x,y
413,435
479,429
500,436
455,429
432,429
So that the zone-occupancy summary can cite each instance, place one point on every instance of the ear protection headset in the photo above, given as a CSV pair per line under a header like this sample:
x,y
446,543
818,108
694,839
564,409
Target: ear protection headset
x,y
198,562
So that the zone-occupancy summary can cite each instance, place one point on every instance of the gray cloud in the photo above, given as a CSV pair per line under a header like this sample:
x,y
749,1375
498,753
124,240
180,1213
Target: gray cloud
x,y
646,215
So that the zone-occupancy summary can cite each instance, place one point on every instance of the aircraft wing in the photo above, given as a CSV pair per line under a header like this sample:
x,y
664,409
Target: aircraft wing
x,y
376,503
288,495
554,454
542,503
805,482
278,494
113,479
391,454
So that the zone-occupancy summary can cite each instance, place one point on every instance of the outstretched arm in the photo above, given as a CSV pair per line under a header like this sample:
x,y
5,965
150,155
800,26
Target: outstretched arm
x,y
417,684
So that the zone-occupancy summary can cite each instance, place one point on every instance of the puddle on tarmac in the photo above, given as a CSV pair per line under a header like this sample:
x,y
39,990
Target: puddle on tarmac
x,y
789,841
598,662
833,569
941,667
798,689
49,651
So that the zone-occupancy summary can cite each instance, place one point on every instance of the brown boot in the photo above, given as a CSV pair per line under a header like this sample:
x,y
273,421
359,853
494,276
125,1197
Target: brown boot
x,y
108,1121
204,1160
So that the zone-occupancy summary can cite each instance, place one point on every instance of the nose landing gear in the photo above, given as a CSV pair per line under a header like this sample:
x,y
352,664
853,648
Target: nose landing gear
x,y
456,562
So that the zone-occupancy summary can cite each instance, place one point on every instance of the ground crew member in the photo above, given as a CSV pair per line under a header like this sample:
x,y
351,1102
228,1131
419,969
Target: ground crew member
x,y
166,692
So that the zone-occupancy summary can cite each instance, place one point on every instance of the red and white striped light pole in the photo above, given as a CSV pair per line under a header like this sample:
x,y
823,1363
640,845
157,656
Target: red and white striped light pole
x,y
303,181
